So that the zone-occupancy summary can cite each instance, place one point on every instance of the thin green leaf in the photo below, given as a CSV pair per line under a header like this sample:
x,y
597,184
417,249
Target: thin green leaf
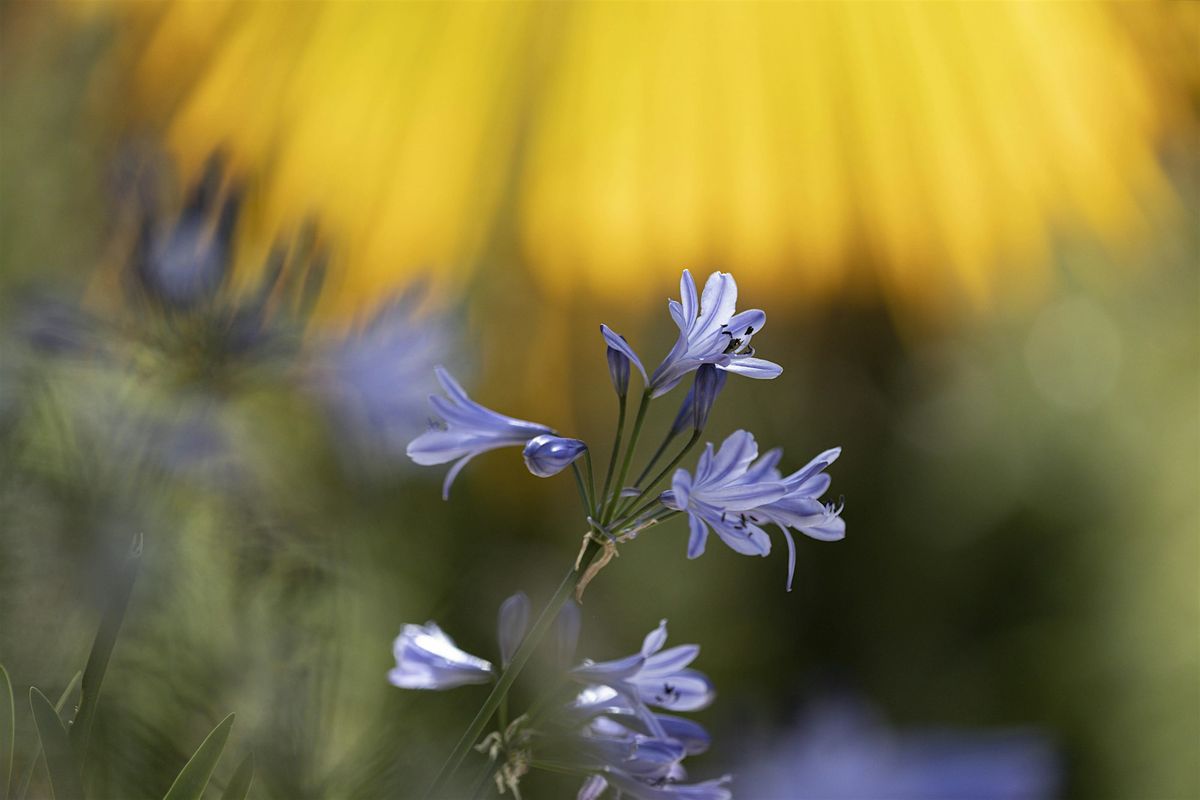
x,y
8,731
66,695
195,774
239,784
102,647
65,782
37,753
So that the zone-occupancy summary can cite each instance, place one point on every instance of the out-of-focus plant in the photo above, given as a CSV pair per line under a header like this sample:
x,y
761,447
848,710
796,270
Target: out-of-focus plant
x,y
63,733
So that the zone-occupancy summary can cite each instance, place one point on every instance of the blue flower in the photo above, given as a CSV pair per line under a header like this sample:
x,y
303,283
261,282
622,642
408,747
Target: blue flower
x,y
651,677
548,455
710,332
843,750
426,658
511,625
468,430
800,508
726,486
375,380
627,784
735,495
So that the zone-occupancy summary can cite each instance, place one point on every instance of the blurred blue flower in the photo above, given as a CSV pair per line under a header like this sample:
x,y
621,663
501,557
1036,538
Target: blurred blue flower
x,y
841,750
710,332
183,263
511,626
717,789
375,381
468,430
548,455
651,677
426,658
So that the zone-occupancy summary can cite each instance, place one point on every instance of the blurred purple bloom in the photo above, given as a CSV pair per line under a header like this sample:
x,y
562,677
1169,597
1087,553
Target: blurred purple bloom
x,y
843,751
426,658
717,789
375,381
710,332
511,626
184,263
651,677
548,455
468,429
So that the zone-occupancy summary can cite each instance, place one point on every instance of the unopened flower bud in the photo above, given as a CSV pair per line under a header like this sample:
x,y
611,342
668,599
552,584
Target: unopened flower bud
x,y
709,382
548,455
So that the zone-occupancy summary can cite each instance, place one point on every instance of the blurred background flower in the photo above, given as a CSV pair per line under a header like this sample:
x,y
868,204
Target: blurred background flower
x,y
973,227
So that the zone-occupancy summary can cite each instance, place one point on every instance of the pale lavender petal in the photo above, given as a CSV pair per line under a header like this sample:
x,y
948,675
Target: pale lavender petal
x,y
687,296
655,639
752,367
697,536
670,660
592,788
452,474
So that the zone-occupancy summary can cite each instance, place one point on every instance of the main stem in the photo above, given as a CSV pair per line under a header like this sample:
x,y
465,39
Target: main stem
x,y
629,448
602,500
500,690
695,437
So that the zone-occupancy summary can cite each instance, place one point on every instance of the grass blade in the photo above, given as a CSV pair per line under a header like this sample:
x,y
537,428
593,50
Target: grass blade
x,y
102,647
239,784
195,774
65,782
8,731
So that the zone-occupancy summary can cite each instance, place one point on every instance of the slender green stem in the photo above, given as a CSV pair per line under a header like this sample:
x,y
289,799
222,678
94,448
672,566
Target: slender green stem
x,y
610,506
500,689
612,458
591,481
662,448
585,496
695,437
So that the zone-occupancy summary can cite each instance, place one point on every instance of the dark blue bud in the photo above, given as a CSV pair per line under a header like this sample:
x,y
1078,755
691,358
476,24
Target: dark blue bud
x,y
548,455
709,382
618,370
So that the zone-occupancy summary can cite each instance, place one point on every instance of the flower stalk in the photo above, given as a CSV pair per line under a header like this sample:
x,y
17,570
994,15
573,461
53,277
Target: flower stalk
x,y
509,676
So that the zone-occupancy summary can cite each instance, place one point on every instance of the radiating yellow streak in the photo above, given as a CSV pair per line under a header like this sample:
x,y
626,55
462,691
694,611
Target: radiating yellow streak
x,y
935,151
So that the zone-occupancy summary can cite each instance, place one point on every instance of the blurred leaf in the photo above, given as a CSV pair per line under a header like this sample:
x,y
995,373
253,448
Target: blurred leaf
x,y
239,784
65,782
102,647
195,774
66,695
37,754
8,731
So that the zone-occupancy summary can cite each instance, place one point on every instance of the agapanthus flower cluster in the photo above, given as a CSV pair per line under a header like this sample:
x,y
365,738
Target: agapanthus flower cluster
x,y
606,721
732,490
613,730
